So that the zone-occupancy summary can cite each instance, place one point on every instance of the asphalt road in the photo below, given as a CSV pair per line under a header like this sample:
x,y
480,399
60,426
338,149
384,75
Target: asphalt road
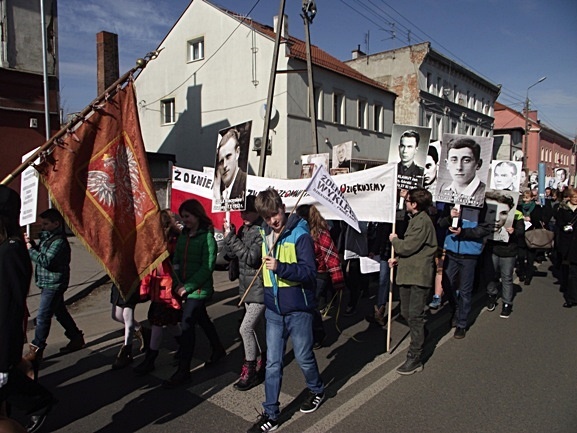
x,y
507,375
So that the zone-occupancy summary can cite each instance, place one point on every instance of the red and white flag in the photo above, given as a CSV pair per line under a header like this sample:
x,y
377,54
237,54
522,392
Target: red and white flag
x,y
98,178
326,191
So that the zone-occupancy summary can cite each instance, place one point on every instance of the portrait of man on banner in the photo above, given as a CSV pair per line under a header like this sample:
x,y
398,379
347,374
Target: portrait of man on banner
x,y
342,155
307,171
432,168
316,159
462,177
409,146
505,175
500,213
230,167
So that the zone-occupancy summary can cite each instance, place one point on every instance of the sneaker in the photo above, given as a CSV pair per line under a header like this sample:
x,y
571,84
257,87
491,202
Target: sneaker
x,y
459,333
506,311
491,302
312,402
436,302
263,424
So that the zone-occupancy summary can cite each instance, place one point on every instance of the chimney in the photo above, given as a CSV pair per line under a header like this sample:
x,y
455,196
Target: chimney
x,y
284,31
358,53
106,60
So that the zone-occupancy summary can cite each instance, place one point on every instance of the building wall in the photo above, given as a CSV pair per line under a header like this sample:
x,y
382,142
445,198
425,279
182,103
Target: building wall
x,y
433,90
22,118
220,91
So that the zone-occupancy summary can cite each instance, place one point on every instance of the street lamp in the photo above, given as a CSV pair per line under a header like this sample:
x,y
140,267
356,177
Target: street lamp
x,y
526,138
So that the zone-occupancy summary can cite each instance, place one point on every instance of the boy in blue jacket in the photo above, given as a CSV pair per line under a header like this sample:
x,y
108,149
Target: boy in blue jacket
x,y
289,276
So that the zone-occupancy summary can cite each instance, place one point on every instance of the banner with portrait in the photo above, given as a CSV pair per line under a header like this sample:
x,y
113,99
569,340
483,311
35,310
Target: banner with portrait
x,y
361,189
505,175
408,149
464,169
500,213
231,164
342,155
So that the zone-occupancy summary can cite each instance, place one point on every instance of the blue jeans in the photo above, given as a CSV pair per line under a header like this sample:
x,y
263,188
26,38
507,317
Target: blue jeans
x,y
52,304
459,275
299,326
384,283
503,267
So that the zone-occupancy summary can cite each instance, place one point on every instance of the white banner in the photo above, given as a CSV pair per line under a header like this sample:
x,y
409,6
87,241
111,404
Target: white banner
x,y
29,192
327,192
371,193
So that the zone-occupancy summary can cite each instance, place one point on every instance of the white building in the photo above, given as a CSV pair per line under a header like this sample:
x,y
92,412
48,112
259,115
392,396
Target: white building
x,y
213,72
433,90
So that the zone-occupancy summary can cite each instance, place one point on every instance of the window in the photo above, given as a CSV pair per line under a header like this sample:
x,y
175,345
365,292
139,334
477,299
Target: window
x,y
454,127
319,103
430,88
196,49
339,108
362,110
455,94
439,87
378,120
168,112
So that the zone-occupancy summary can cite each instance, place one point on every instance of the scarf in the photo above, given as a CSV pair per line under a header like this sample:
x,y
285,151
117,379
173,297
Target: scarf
x,y
527,208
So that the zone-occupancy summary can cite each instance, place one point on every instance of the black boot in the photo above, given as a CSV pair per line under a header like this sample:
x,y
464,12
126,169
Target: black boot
x,y
147,365
180,377
412,365
261,366
249,378
218,353
123,358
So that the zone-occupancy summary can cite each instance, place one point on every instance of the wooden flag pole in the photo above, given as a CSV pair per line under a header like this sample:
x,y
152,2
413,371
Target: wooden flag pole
x,y
390,302
140,64
272,249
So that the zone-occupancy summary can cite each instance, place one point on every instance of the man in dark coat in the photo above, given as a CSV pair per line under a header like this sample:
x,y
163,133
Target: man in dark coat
x,y
15,274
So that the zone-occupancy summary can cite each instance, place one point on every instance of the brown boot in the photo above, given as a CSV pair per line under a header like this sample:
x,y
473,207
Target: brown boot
x,y
123,358
139,334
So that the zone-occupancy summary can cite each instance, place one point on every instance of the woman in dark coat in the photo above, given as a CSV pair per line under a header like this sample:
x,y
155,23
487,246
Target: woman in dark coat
x,y
566,220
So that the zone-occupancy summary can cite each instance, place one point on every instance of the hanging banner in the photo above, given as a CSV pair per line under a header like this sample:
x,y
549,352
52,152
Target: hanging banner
x,y
371,193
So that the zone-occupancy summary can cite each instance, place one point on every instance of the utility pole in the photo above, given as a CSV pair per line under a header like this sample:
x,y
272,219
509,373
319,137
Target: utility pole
x,y
309,11
526,138
271,83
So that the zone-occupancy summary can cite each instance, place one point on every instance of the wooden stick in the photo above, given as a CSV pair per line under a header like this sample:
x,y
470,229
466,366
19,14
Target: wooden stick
x,y
391,279
272,249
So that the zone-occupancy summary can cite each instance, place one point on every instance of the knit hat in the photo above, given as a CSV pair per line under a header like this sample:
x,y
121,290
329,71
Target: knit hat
x,y
9,202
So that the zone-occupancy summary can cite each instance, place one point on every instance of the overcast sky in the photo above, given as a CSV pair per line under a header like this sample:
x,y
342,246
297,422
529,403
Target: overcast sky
x,y
512,42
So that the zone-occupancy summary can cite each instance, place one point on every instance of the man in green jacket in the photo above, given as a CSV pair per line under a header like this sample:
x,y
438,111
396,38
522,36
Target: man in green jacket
x,y
415,272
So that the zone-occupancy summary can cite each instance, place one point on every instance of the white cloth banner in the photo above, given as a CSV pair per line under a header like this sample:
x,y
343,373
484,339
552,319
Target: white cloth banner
x,y
327,192
371,193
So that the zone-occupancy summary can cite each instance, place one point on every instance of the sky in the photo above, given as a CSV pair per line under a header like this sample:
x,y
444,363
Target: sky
x,y
513,43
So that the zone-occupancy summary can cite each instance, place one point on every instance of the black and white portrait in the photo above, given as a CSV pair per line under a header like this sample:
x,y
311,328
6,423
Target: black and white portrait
x,y
462,177
432,168
409,145
230,167
316,159
505,175
342,155
500,213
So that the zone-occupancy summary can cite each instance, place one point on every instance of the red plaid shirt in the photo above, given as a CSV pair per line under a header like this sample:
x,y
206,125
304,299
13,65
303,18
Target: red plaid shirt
x,y
328,260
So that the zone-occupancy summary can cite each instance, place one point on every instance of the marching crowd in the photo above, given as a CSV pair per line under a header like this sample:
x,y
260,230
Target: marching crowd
x,y
289,269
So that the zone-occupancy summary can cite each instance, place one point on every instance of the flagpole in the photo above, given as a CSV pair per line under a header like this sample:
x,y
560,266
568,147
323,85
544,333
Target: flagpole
x,y
140,64
274,245
390,306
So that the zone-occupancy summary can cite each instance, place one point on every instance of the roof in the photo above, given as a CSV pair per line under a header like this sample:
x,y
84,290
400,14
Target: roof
x,y
319,57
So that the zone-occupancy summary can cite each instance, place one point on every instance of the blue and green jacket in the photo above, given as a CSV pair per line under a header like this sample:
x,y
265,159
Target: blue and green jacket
x,y
292,286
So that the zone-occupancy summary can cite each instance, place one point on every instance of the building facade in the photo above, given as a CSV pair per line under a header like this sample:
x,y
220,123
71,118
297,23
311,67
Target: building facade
x,y
433,90
213,72
22,104
540,144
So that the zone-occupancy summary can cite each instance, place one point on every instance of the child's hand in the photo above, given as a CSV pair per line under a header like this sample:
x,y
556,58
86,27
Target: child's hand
x,y
271,263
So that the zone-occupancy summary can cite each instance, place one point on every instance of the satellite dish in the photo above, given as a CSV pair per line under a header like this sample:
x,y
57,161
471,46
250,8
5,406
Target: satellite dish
x,y
263,112
518,155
